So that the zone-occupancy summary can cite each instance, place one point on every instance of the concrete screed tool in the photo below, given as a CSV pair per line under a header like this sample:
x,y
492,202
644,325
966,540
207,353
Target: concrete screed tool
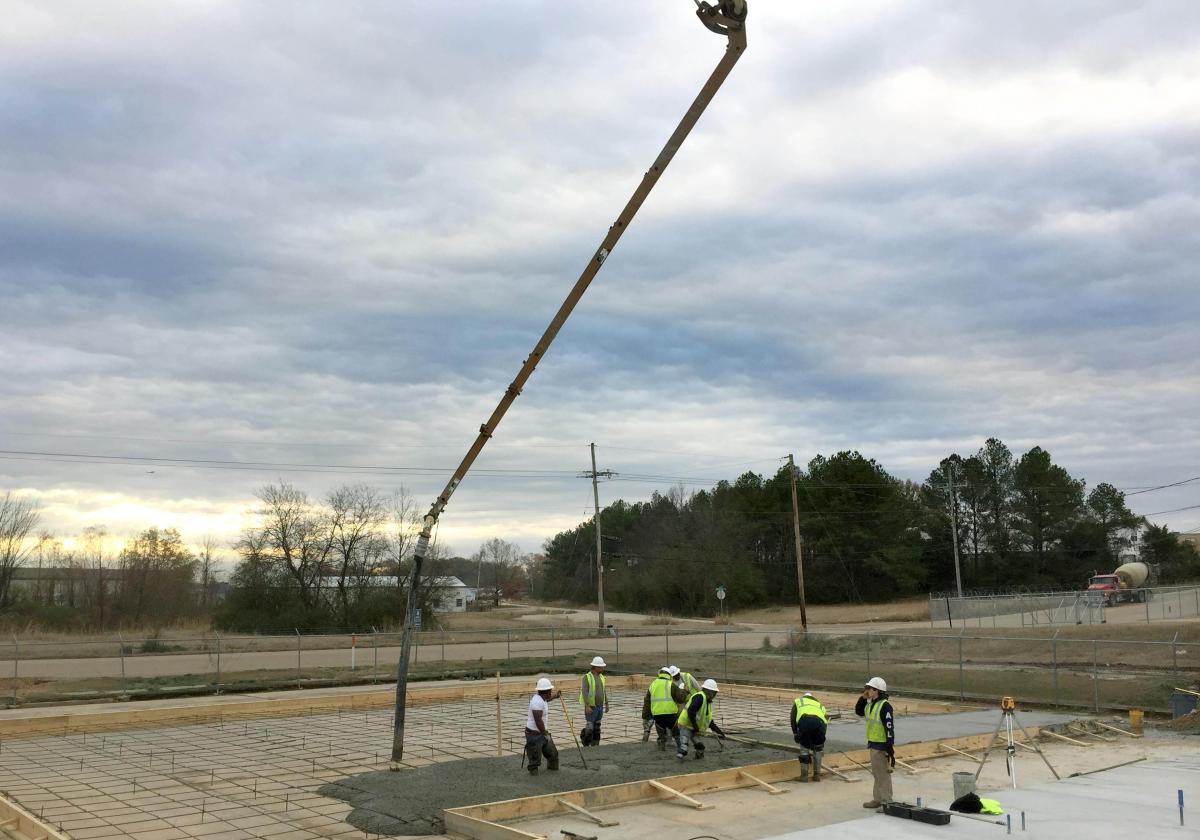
x,y
724,17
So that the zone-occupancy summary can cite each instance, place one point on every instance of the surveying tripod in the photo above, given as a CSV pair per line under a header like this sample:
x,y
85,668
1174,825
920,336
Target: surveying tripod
x,y
1008,718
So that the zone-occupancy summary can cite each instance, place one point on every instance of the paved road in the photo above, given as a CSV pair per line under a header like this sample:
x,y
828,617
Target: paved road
x,y
161,665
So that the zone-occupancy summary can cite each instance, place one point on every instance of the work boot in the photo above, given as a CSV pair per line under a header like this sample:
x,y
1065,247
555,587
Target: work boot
x,y
817,766
662,745
533,771
804,772
873,804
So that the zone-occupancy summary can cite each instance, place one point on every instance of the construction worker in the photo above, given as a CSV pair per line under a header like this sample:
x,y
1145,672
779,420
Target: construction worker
x,y
538,742
593,696
809,722
661,706
695,719
874,706
687,682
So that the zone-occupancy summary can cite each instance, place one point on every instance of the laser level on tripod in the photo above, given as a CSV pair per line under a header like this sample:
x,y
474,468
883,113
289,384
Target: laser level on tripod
x,y
1009,720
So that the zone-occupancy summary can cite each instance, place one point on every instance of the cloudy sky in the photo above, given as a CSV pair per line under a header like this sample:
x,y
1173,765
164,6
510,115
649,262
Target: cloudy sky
x,y
314,242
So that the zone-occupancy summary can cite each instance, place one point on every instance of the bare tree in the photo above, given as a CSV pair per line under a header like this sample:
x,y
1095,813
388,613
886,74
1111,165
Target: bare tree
x,y
294,535
405,526
357,515
91,556
503,560
208,571
18,520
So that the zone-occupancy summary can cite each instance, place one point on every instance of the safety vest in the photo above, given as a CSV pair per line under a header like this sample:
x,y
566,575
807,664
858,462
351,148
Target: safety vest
x,y
810,706
661,702
703,719
587,689
689,682
876,732
989,806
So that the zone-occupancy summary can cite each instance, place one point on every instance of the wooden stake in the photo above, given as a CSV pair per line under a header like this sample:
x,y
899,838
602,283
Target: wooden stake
x,y
1116,729
771,789
699,806
603,823
499,736
974,758
1065,738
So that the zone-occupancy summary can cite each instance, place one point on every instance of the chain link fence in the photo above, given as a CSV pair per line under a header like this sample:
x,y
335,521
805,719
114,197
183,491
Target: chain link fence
x,y
1047,609
1055,668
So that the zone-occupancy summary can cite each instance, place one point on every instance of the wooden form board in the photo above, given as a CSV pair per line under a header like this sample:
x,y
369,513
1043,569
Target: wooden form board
x,y
16,819
129,715
478,820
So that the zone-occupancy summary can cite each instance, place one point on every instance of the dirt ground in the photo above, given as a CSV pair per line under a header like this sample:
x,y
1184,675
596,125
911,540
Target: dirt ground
x,y
909,609
409,802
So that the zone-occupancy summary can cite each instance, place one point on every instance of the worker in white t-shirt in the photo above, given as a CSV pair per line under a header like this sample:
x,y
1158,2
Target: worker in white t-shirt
x,y
538,742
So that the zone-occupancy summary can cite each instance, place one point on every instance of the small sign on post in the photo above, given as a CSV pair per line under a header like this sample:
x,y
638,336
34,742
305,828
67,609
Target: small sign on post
x,y
721,598
417,619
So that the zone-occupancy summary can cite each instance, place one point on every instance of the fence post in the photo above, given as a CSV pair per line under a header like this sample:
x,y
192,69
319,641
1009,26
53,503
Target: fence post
x,y
297,657
375,645
725,650
993,612
121,645
668,638
962,678
16,658
1175,654
443,645
868,654
553,652
792,655
218,635
1147,603
1054,659
617,640
1095,675
508,645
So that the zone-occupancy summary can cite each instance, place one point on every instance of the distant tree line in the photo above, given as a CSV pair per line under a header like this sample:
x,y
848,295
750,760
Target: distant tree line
x,y
1020,522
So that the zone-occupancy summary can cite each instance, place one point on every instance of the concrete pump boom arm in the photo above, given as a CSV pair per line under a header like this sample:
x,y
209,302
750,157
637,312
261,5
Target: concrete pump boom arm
x,y
726,17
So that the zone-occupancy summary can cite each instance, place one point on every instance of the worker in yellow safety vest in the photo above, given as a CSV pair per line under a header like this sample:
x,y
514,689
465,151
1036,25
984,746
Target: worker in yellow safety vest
x,y
696,718
809,723
660,708
874,706
689,684
593,696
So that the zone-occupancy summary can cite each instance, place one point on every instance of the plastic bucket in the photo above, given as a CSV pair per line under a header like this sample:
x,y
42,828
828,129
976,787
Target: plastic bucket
x,y
1135,721
964,783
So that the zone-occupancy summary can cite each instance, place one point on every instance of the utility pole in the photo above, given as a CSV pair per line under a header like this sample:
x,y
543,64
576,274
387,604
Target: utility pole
x,y
799,545
954,525
593,475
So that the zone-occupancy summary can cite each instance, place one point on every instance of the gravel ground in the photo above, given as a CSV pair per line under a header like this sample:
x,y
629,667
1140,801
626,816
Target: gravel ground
x,y
410,802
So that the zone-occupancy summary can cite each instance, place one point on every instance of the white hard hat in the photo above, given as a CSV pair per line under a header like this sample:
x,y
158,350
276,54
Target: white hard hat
x,y
544,684
666,669
710,685
598,662
673,670
877,683
808,694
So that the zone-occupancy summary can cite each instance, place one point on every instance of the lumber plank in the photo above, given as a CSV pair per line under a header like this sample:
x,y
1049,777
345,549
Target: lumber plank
x,y
699,806
1116,729
974,758
579,809
1065,738
483,830
770,788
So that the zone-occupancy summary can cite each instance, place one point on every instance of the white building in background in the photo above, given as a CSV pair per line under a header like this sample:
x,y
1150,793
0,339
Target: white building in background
x,y
451,593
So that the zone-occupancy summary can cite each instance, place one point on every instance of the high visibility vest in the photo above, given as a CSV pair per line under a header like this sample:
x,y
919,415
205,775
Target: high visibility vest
x,y
661,702
703,719
689,682
989,806
876,732
810,706
587,689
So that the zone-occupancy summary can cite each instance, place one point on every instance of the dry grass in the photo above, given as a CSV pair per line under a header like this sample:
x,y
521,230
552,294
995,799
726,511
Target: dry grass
x,y
909,609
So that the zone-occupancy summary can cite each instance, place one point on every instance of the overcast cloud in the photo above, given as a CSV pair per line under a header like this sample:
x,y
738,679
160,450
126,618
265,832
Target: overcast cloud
x,y
329,233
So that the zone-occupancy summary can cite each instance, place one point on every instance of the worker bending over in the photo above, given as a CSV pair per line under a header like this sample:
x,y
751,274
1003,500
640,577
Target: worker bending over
x,y
689,684
881,738
661,705
538,742
696,719
593,696
809,722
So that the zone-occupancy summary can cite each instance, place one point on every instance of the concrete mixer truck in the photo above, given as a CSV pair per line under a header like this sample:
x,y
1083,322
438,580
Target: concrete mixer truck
x,y
1127,583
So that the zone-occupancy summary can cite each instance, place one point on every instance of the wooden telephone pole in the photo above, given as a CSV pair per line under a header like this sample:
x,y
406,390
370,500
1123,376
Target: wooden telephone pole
x,y
593,475
799,545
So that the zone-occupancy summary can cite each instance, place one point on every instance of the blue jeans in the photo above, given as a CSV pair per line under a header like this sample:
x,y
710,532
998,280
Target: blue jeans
x,y
591,730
